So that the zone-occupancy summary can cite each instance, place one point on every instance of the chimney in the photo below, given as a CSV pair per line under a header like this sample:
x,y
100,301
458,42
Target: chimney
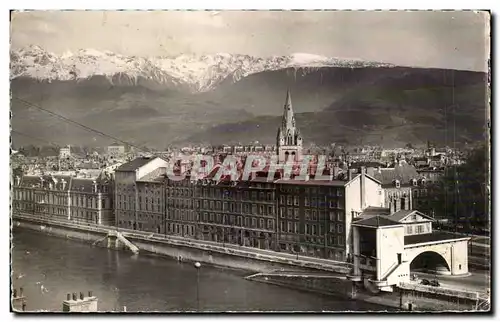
x,y
335,172
63,184
18,180
398,204
392,205
94,183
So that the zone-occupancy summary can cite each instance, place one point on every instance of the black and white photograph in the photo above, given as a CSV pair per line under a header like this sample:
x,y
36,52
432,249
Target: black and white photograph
x,y
216,161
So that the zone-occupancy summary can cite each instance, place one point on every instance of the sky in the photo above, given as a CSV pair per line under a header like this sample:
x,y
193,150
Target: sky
x,y
456,40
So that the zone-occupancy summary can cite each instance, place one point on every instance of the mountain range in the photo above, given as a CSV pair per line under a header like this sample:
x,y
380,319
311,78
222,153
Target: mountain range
x,y
227,98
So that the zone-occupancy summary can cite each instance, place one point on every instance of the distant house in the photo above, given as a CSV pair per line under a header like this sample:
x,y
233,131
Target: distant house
x,y
116,149
65,152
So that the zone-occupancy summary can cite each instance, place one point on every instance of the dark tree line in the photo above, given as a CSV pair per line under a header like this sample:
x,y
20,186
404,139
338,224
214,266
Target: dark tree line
x,y
462,195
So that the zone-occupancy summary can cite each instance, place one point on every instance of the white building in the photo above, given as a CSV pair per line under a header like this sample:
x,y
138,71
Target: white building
x,y
65,152
388,247
116,149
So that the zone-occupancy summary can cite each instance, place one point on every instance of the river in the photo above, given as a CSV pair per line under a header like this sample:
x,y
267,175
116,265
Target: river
x,y
146,283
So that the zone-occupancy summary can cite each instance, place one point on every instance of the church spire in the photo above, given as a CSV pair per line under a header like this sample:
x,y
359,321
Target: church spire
x,y
289,140
288,117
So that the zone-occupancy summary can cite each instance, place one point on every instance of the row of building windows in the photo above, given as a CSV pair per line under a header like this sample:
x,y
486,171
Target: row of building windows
x,y
236,195
309,229
330,191
311,215
241,221
236,207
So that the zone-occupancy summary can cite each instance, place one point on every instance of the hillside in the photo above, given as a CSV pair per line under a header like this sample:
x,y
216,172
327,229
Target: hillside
x,y
378,106
370,105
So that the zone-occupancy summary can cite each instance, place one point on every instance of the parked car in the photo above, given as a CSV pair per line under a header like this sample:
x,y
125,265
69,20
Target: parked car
x,y
435,283
425,282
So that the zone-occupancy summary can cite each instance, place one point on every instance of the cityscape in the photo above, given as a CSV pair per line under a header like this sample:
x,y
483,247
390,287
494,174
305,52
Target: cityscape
x,y
371,215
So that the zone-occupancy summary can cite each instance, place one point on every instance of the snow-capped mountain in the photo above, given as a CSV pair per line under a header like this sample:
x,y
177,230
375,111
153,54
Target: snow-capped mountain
x,y
198,73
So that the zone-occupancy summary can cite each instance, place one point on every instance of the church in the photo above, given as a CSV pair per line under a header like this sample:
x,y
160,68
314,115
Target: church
x,y
289,139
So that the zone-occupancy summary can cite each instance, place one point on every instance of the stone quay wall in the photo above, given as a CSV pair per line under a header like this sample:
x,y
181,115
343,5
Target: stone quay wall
x,y
266,264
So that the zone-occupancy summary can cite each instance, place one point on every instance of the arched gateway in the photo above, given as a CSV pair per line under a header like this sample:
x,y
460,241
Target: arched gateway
x,y
388,248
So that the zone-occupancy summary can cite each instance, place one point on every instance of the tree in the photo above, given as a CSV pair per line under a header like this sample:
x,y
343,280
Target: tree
x,y
460,195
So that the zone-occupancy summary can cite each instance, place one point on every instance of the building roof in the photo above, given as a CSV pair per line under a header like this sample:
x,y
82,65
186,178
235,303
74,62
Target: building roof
x,y
335,183
83,185
402,214
432,237
403,173
367,164
376,221
29,181
374,211
156,175
46,180
134,164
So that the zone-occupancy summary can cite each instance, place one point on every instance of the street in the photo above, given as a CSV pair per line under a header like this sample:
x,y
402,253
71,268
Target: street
x,y
476,282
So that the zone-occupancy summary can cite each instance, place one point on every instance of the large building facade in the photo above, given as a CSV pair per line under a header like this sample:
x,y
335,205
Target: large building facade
x,y
65,198
139,194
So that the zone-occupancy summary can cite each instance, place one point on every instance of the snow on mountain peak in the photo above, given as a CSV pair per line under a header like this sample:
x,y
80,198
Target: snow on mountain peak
x,y
198,72
303,58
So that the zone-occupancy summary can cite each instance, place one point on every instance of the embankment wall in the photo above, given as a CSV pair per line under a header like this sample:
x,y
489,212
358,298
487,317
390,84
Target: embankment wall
x,y
189,250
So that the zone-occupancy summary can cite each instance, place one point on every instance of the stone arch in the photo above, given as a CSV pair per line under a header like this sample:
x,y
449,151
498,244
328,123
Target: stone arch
x,y
430,260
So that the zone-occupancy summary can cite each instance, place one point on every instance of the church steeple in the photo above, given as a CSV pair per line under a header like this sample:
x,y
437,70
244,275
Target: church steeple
x,y
288,117
289,140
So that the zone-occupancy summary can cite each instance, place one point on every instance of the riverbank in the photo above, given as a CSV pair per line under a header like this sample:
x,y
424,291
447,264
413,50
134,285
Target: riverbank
x,y
256,261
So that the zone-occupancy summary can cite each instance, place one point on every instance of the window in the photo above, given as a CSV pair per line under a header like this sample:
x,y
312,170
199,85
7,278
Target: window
x,y
420,229
296,213
282,212
340,228
307,214
409,230
340,216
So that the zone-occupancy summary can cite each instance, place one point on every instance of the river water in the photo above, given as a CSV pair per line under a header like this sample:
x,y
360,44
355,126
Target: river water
x,y
146,283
